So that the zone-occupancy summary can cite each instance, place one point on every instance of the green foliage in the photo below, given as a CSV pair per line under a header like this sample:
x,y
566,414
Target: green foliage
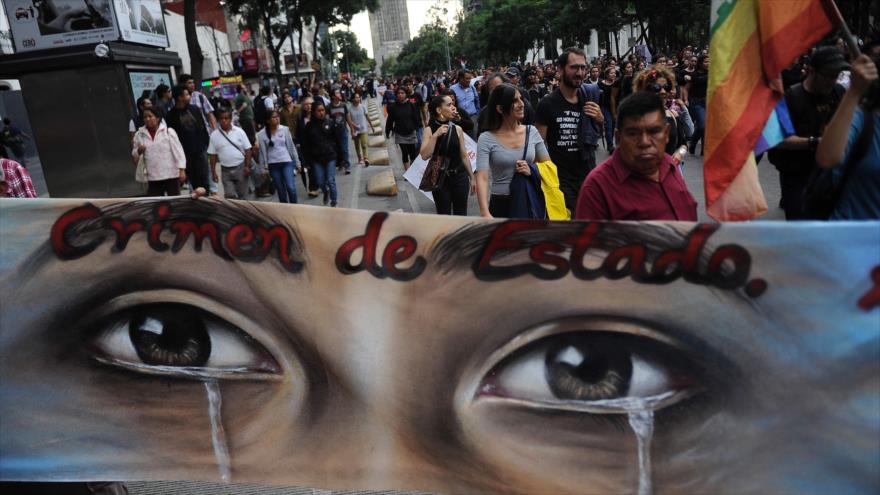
x,y
348,52
504,30
424,53
389,66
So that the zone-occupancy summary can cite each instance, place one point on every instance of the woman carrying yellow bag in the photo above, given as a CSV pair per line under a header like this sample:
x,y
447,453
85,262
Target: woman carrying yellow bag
x,y
553,197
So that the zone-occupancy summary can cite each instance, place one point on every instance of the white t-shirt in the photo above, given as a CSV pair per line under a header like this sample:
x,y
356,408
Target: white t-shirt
x,y
229,154
359,117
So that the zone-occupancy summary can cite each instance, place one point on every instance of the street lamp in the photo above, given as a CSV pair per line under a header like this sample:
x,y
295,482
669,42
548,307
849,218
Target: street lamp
x,y
448,63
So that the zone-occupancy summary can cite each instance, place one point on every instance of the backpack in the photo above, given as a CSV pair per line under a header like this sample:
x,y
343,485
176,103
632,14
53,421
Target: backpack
x,y
821,195
260,114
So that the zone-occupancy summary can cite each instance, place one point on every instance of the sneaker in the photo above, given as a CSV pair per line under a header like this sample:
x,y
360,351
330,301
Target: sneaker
x,y
347,172
333,204
326,197
366,163
313,194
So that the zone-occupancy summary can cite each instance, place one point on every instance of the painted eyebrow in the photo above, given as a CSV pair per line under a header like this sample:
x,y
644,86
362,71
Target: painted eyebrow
x,y
458,252
225,214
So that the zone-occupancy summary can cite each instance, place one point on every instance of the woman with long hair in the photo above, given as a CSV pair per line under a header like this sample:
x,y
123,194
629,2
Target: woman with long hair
x,y
461,117
278,153
452,196
624,85
500,149
606,102
403,121
308,176
659,79
160,149
320,142
696,96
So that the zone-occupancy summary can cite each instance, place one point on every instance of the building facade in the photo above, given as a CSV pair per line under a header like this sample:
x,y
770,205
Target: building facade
x,y
389,29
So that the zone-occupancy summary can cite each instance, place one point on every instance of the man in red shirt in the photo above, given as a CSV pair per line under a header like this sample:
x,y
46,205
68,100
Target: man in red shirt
x,y
639,181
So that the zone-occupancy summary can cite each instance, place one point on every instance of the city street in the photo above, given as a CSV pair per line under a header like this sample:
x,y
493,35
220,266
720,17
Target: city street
x,y
353,188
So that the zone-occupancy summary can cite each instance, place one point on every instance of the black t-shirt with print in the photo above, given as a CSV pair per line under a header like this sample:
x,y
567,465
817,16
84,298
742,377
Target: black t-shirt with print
x,y
338,113
562,120
190,128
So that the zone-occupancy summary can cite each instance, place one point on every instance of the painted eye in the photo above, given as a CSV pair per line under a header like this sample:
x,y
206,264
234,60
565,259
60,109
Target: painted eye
x,y
595,372
180,340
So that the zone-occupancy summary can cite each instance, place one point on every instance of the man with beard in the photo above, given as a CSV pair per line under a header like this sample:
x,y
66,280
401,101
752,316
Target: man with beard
x,y
639,181
570,121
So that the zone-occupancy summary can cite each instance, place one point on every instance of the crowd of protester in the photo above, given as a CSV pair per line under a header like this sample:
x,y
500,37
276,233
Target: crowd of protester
x,y
649,114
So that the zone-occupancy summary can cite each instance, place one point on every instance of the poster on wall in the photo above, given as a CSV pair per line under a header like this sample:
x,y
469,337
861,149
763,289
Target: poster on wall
x,y
43,24
142,81
246,62
141,21
181,339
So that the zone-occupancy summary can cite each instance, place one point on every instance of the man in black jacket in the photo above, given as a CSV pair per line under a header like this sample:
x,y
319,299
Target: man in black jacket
x,y
811,105
189,125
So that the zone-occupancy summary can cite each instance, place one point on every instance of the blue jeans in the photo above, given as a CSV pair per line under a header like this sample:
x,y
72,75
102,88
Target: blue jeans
x,y
609,128
343,137
285,183
698,112
326,177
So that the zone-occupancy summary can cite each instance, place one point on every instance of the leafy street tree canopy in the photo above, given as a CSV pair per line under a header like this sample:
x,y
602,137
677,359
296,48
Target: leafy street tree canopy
x,y
348,51
502,31
286,18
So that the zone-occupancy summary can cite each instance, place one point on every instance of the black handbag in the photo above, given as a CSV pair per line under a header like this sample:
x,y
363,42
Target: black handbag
x,y
821,195
435,172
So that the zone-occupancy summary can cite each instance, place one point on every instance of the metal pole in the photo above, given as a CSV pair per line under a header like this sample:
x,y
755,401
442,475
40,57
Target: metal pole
x,y
448,63
216,49
833,12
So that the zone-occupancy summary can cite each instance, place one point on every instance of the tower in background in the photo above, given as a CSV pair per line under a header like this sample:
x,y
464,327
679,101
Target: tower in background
x,y
389,29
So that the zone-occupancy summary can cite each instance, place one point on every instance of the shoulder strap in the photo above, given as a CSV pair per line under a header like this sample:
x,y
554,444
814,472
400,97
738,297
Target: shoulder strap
x,y
526,147
448,138
230,142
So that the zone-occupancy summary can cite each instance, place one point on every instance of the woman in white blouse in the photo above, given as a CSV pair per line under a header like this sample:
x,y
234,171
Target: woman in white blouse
x,y
157,145
278,153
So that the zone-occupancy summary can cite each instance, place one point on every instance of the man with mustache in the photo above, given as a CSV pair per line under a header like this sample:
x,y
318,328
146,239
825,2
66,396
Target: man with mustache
x,y
639,181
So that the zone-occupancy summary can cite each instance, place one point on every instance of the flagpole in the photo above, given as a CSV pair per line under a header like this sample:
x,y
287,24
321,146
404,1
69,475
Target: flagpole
x,y
834,13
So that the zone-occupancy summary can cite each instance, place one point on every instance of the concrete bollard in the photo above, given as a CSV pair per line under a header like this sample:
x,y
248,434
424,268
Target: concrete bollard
x,y
382,184
379,157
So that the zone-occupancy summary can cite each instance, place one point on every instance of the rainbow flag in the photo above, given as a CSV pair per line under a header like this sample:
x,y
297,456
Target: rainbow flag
x,y
752,41
778,128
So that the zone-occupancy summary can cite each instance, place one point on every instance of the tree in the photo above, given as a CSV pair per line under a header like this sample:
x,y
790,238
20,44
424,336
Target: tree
x,y
333,13
424,53
196,59
389,66
276,18
352,52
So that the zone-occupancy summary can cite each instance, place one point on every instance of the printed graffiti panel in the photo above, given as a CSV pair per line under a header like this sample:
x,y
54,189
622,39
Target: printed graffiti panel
x,y
266,343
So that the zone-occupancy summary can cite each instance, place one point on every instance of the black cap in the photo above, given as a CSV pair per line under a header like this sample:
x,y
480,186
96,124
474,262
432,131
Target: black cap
x,y
512,72
828,60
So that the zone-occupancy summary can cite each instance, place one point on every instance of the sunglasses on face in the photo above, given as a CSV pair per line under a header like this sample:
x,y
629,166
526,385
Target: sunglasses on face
x,y
656,87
